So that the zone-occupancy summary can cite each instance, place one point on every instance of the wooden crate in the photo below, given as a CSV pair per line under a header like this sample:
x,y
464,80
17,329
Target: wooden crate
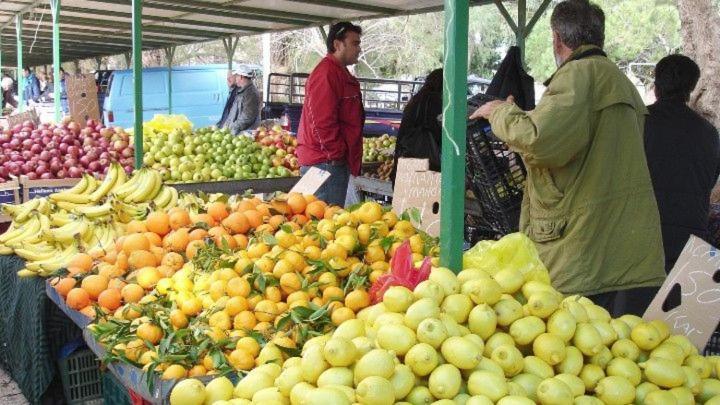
x,y
43,188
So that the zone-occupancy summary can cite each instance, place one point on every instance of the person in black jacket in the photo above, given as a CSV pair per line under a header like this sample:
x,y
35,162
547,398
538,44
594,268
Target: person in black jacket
x,y
420,132
683,155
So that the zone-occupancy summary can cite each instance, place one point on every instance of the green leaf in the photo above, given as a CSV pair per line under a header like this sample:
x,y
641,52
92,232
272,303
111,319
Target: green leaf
x,y
354,207
270,240
286,228
290,351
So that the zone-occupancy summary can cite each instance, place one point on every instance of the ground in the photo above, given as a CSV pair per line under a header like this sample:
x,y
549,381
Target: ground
x,y
9,391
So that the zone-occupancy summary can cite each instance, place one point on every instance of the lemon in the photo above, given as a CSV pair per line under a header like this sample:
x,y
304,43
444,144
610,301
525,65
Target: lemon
x,y
419,310
621,328
236,401
642,390
324,395
339,352
483,291
313,363
388,318
344,389
451,326
669,351
269,395
444,402
488,384
482,321
377,362
602,358
597,313
508,310
646,336
475,339
270,354
573,362
553,391
350,329
271,369
515,400
710,388
471,274
219,389
479,400
398,338
458,306
662,328
370,314
429,289
510,280
336,376
549,348
607,334
432,331
445,381
587,339
252,383
489,365
587,400
188,392
576,309
292,362
625,348
614,390
288,379
622,367
660,397
300,392
590,375
375,390
509,358
713,401
576,385
460,399
663,373
683,396
446,279
536,366
461,352
497,340
692,381
362,345
422,359
562,324
526,329
398,299
529,382
543,303
682,341
402,381
420,395
531,287
700,364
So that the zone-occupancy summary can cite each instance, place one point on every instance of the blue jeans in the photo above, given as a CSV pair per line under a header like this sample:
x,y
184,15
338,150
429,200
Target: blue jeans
x,y
334,190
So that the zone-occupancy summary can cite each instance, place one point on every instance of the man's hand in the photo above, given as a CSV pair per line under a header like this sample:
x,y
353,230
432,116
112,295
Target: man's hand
x,y
486,110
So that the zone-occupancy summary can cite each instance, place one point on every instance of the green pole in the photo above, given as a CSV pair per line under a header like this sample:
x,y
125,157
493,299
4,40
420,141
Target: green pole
x,y
137,79
170,55
521,25
452,200
57,80
20,78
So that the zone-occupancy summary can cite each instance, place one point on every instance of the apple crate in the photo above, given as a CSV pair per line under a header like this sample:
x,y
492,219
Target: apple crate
x,y
9,194
43,188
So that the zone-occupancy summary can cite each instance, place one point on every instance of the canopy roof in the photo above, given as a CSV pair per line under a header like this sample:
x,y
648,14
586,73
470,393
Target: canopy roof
x,y
92,28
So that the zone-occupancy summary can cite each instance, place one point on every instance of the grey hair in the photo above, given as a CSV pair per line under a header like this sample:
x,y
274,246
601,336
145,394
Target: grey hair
x,y
579,22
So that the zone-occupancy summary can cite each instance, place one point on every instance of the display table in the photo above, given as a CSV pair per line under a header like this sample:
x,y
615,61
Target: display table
x,y
231,187
32,331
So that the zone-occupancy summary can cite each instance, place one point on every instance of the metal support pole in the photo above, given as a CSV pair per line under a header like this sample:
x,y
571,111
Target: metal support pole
x,y
128,59
169,56
20,78
521,25
323,33
267,66
57,80
230,45
137,80
76,63
452,200
98,63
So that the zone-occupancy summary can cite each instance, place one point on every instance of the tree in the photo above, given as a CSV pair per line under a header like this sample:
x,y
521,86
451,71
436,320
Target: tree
x,y
701,34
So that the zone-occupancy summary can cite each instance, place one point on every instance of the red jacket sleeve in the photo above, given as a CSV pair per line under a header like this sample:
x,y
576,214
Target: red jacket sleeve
x,y
322,105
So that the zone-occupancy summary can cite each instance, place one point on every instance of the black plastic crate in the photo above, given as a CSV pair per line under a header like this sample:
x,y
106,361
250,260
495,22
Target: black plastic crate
x,y
496,175
80,374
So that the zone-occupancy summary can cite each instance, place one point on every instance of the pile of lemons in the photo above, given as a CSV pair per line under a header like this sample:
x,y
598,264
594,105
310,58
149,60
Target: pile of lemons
x,y
481,337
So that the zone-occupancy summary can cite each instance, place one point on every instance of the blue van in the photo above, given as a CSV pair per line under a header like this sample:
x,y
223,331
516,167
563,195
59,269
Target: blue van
x,y
198,92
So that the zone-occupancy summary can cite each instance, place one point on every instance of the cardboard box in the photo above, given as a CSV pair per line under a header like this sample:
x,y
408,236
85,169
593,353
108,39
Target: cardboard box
x,y
43,188
9,194
689,300
82,99
418,187
29,115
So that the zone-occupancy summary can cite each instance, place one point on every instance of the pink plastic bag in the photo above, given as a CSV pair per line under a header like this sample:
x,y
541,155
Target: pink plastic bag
x,y
402,273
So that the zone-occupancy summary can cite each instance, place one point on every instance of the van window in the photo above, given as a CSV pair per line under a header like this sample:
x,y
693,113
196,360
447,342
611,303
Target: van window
x,y
194,81
152,84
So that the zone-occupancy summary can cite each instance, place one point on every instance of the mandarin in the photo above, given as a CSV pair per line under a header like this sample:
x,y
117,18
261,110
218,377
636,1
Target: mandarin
x,y
77,298
158,222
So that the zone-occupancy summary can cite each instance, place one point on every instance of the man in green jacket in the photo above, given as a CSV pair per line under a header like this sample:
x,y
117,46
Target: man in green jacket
x,y
589,203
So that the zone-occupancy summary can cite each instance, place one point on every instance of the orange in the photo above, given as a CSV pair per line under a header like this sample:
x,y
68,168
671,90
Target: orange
x,y
265,311
82,261
263,327
276,220
110,299
263,209
252,301
244,320
173,260
135,226
174,372
254,218
197,371
150,332
121,262
158,252
177,241
166,271
297,296
158,222
178,218
290,282
198,234
236,223
240,240
94,284
78,298
241,360
280,206
135,241
331,211
341,315
297,203
257,249
206,218
153,238
357,300
63,285
273,294
264,228
316,209
142,258
178,319
332,293
235,305
238,287
309,198
193,247
132,293
191,307
245,205
300,219
89,312
116,284
249,345
217,210
217,231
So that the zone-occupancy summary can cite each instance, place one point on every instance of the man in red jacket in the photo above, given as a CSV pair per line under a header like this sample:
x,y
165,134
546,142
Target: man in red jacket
x,y
330,133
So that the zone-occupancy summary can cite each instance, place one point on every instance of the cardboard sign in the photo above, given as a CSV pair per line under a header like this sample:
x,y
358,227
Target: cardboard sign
x,y
82,99
9,194
29,115
694,287
43,188
311,181
418,187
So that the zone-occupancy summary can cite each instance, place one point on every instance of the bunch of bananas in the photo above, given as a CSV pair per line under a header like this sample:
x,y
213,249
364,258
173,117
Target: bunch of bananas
x,y
48,232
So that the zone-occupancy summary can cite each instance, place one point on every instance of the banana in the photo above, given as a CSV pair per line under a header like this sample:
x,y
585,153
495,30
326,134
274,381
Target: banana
x,y
147,189
44,207
27,209
107,184
11,209
59,219
68,206
32,255
163,197
95,211
6,250
80,186
28,229
65,196
25,273
92,185
130,186
66,233
47,267
127,212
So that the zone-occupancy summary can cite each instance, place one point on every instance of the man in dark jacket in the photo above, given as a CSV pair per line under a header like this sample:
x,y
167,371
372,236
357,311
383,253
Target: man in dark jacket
x,y
683,156
32,86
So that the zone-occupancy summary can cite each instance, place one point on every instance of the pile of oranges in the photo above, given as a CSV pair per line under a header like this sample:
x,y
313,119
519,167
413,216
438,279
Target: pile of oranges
x,y
246,274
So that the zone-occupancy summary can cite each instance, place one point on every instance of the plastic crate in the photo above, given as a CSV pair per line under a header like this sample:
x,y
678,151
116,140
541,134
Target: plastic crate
x,y
113,392
80,374
496,175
